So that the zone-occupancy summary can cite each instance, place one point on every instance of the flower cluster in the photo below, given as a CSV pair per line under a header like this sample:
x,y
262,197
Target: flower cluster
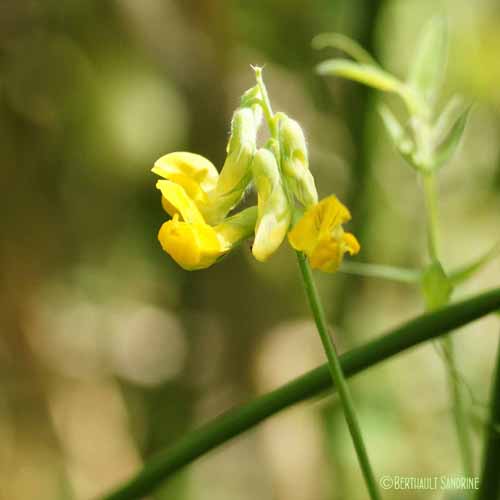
x,y
200,200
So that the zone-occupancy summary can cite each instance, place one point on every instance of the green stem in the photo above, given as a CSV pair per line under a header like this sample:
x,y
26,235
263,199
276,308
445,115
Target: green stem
x,y
490,478
459,411
266,103
429,181
337,375
319,317
314,383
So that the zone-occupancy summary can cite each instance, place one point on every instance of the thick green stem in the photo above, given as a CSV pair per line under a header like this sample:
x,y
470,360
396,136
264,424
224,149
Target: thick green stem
x,y
314,383
490,477
337,375
459,411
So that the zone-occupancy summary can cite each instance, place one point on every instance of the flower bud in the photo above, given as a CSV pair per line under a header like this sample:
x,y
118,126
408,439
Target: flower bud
x,y
235,174
273,210
294,161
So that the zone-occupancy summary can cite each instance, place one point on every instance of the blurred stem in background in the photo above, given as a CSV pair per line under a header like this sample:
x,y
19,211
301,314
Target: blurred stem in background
x,y
334,366
357,116
490,478
456,392
426,151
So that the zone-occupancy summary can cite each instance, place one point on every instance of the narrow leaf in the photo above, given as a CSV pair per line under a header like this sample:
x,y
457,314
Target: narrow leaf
x,y
397,133
408,276
344,43
464,273
447,117
363,73
429,61
450,143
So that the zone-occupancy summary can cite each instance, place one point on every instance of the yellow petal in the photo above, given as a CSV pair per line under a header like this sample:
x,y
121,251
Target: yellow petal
x,y
331,213
192,246
183,165
326,256
319,234
176,201
351,244
318,223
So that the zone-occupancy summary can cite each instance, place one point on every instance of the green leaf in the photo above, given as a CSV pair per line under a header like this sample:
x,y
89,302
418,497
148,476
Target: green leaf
x,y
344,43
363,73
466,272
403,142
436,286
447,118
429,62
450,143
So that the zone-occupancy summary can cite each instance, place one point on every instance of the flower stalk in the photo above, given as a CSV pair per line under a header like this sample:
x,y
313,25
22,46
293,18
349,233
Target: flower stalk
x,y
334,366
337,375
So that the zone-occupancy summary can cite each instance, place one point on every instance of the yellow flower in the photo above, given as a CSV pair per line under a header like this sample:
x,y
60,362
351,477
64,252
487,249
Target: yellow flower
x,y
188,239
194,173
215,194
319,234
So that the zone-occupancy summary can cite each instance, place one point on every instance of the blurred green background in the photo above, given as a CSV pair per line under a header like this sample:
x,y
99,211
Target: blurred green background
x,y
109,352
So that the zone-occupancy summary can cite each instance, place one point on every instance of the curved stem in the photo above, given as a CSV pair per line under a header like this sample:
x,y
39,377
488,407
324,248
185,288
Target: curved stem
x,y
238,420
337,375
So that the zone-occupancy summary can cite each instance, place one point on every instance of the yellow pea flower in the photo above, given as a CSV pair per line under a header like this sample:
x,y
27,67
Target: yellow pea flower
x,y
197,175
189,240
319,234
215,194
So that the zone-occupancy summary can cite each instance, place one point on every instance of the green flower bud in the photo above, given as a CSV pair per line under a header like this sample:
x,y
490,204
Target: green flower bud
x,y
235,174
273,210
294,161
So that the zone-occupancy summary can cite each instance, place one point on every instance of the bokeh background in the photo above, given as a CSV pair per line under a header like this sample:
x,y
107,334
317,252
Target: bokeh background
x,y
109,352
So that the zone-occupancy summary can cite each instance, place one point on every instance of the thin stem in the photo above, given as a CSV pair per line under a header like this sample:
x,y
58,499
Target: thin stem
x,y
459,411
319,317
490,479
312,384
337,375
429,182
408,276
266,103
